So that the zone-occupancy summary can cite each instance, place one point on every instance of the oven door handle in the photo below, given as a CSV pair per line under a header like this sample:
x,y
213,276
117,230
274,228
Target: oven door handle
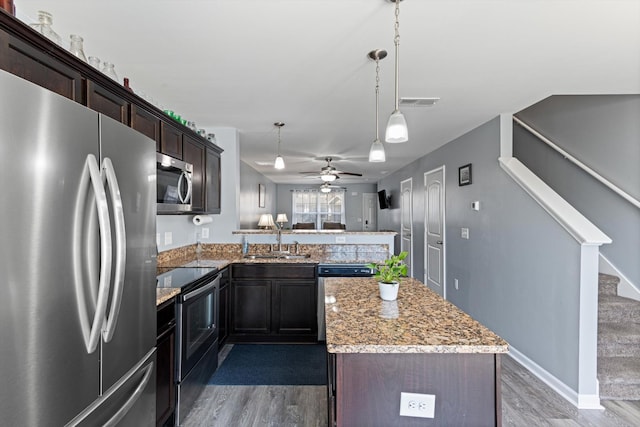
x,y
201,290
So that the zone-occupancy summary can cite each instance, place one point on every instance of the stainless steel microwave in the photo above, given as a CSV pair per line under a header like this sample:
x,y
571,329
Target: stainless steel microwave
x,y
174,185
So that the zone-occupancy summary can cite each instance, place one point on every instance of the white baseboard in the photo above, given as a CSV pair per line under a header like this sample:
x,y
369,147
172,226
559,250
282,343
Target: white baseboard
x,y
580,401
625,287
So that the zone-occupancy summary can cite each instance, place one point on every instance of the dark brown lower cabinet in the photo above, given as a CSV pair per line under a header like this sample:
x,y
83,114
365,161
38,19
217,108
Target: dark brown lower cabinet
x,y
165,369
223,308
273,303
364,388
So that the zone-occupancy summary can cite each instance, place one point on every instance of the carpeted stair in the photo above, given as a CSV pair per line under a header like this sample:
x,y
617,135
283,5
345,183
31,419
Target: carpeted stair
x,y
618,342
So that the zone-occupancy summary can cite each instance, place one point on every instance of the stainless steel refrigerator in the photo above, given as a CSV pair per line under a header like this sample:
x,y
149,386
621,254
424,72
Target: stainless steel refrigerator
x,y
77,264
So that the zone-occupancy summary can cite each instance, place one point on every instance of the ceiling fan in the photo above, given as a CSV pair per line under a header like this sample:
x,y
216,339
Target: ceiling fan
x,y
330,173
326,187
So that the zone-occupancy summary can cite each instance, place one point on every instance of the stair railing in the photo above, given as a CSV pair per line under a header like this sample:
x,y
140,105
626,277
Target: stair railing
x,y
619,191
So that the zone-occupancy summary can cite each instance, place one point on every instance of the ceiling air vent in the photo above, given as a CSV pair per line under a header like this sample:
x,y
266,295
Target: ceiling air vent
x,y
418,102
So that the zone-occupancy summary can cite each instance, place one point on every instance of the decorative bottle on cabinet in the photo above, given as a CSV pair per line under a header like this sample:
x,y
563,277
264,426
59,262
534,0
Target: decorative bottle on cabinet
x,y
45,20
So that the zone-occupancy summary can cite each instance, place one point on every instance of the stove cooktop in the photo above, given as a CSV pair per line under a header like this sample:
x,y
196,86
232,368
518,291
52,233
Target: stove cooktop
x,y
182,277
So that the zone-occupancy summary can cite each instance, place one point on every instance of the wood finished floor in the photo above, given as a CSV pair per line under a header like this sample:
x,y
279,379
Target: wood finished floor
x,y
526,402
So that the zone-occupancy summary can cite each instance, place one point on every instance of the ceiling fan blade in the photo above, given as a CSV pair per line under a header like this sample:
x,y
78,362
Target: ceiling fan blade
x,y
349,173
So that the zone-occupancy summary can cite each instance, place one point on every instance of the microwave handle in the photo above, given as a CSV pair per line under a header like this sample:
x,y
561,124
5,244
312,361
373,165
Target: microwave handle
x,y
187,197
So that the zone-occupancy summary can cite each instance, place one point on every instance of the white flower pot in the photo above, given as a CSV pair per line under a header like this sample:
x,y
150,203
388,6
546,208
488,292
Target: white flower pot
x,y
389,291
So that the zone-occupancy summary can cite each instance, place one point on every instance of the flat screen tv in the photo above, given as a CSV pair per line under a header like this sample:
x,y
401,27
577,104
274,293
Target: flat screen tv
x,y
384,200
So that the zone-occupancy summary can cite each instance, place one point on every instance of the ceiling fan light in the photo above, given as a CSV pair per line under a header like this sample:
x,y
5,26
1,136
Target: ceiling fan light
x,y
376,153
279,163
328,177
325,188
396,128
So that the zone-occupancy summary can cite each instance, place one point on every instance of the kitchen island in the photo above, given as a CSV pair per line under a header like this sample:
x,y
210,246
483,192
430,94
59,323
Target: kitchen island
x,y
417,344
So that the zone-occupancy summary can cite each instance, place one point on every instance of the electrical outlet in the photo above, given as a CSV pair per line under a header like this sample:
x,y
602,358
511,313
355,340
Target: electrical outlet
x,y
455,283
341,239
168,238
205,232
417,405
158,241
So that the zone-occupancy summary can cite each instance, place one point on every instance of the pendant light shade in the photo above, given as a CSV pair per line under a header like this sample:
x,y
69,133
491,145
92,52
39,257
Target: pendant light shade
x,y
279,163
324,188
397,130
376,153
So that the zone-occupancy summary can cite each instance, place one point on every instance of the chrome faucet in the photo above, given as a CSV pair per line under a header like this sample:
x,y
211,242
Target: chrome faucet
x,y
279,239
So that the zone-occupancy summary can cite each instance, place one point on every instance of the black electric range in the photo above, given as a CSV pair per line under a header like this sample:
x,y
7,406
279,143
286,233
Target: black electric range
x,y
188,276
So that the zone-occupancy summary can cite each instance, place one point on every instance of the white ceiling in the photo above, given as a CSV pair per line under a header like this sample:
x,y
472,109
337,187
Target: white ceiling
x,y
249,63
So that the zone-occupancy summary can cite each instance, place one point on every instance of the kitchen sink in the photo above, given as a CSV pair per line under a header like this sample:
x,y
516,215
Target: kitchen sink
x,y
277,256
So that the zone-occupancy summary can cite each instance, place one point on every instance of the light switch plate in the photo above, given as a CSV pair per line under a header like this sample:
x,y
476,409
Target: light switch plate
x,y
205,232
168,237
464,233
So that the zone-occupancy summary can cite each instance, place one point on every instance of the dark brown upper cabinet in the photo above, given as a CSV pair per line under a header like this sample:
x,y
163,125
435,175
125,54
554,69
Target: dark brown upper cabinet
x,y
108,103
145,123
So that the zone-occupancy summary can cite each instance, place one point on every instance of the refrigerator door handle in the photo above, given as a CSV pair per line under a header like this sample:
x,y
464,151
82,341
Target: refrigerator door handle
x,y
187,196
91,329
113,421
121,249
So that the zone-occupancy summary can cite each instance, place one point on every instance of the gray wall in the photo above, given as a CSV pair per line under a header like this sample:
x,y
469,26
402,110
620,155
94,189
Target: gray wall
x,y
352,203
249,210
603,132
519,271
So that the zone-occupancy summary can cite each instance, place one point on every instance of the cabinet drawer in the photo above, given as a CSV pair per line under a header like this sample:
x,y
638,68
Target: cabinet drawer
x,y
273,271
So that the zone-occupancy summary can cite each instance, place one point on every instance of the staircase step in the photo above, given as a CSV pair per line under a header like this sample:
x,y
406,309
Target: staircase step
x,y
618,309
619,378
619,339
608,284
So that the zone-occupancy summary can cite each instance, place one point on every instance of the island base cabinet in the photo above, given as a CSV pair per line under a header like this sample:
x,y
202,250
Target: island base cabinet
x,y
364,389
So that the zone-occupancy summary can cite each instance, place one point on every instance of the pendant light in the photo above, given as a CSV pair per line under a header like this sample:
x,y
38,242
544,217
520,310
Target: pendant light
x,y
324,188
397,125
279,163
376,153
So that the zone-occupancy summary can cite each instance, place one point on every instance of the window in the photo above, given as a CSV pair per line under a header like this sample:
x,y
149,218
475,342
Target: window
x,y
314,206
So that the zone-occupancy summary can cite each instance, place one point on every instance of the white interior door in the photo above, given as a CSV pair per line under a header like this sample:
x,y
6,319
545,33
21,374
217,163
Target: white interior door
x,y
406,222
369,212
434,230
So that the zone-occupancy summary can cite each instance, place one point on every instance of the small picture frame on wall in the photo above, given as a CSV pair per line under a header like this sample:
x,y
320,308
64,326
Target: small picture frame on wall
x,y
464,175
262,194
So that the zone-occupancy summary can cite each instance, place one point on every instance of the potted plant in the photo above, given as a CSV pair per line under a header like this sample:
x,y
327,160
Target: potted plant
x,y
388,275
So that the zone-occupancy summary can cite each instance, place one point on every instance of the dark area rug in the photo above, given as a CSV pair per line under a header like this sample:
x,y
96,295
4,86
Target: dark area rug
x,y
273,364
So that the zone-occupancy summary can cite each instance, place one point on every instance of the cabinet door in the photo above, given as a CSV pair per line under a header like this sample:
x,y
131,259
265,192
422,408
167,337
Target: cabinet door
x,y
251,307
213,182
295,308
223,320
146,123
165,374
193,152
37,66
108,103
170,141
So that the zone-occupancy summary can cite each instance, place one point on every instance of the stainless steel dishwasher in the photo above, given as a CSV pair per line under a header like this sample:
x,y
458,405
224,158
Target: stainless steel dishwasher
x,y
335,270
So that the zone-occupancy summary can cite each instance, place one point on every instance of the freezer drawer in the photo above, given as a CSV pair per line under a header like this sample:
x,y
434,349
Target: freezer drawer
x,y
130,402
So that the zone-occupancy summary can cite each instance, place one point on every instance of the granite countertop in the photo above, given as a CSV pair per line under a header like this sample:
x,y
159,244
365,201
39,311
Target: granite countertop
x,y
420,321
320,232
164,294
